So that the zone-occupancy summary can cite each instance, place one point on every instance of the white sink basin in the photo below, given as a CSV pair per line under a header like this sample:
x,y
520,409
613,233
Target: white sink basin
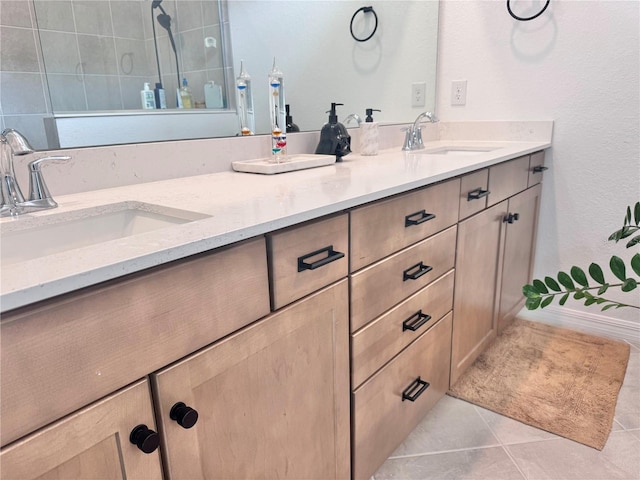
x,y
457,151
33,237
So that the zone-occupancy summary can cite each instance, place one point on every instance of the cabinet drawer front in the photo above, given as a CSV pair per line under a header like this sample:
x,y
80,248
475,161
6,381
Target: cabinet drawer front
x,y
377,343
508,178
103,338
306,258
91,443
382,420
382,228
388,282
474,190
536,167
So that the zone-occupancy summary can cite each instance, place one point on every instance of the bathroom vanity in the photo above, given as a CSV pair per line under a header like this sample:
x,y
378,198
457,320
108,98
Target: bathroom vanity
x,y
301,329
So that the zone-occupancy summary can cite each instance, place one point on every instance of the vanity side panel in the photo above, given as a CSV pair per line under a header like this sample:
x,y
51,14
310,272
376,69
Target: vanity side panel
x,y
99,339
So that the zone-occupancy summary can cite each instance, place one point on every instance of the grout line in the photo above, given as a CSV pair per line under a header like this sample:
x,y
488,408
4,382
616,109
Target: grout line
x,y
455,450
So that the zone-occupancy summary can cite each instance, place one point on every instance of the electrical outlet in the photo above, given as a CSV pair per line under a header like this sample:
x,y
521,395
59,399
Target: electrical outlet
x,y
417,94
459,92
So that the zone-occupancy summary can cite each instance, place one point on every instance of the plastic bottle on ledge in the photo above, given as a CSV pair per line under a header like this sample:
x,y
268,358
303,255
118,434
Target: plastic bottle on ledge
x,y
186,97
148,100
369,134
244,100
277,115
291,127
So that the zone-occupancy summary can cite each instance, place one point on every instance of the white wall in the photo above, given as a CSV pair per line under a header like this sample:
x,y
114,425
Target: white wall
x,y
577,64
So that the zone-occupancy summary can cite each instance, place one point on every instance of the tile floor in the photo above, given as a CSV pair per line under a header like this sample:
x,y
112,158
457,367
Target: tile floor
x,y
458,440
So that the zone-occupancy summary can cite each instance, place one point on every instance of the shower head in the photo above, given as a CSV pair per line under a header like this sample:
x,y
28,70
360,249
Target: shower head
x,y
165,21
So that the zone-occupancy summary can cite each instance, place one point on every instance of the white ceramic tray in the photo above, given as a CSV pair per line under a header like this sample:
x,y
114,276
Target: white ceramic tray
x,y
294,162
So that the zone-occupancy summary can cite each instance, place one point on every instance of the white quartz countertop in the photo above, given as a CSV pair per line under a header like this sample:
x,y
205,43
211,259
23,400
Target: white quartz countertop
x,y
238,206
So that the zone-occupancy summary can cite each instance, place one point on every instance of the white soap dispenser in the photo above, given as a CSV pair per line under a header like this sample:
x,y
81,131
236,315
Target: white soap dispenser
x,y
369,134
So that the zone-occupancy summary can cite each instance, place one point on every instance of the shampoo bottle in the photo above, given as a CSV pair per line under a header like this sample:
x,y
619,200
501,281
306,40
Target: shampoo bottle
x,y
213,95
147,97
277,115
244,100
369,134
186,98
158,92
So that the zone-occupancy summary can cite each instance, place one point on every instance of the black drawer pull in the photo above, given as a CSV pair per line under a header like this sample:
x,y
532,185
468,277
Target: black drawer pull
x,y
421,270
477,194
424,217
539,169
410,393
413,325
332,256
512,217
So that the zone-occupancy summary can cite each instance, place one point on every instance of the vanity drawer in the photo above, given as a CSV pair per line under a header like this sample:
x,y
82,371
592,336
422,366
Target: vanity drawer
x,y
303,259
384,227
474,190
382,419
62,354
536,167
386,283
379,341
508,178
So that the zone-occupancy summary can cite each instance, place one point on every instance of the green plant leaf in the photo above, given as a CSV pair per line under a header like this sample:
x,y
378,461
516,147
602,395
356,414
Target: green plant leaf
x,y
607,307
533,303
566,281
636,213
627,218
578,295
552,284
615,236
564,298
540,286
596,273
635,263
618,268
587,294
629,284
603,289
579,276
633,241
589,301
530,291
600,300
546,301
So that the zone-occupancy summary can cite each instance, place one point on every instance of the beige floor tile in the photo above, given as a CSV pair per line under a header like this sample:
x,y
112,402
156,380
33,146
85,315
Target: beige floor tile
x,y
628,407
451,425
635,344
511,431
632,376
562,459
479,464
635,433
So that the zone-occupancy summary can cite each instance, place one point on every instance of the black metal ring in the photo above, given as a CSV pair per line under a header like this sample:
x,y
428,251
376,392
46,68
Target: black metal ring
x,y
526,19
365,10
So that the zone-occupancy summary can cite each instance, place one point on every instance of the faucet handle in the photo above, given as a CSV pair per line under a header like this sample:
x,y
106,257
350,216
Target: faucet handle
x,y
39,195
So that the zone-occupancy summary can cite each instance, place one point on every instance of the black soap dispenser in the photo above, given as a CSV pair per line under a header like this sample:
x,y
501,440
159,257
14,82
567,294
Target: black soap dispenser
x,y
334,138
291,127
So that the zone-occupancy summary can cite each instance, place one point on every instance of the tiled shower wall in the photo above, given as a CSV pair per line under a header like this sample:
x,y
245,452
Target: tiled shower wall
x,y
98,55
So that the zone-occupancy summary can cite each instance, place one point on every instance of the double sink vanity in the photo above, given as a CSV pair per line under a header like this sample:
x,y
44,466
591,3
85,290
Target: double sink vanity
x,y
234,325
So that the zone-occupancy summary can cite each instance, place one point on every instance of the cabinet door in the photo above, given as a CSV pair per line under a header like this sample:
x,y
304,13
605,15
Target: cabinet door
x,y
273,399
92,443
519,250
477,268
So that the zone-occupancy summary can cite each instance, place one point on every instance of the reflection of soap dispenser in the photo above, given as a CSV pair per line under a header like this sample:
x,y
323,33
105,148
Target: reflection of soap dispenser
x,y
291,127
369,134
334,139
148,100
186,97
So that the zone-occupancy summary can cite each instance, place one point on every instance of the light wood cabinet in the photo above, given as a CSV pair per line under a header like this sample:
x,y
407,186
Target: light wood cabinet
x,y
273,399
91,443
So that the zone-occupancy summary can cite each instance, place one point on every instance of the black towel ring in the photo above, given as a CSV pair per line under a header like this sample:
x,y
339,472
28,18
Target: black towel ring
x,y
365,10
526,19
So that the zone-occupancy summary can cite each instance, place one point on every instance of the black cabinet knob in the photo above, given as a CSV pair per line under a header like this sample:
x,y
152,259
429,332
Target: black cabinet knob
x,y
184,415
144,438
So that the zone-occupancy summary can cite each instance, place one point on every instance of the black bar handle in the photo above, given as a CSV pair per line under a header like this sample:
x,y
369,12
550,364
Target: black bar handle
x,y
512,217
410,393
420,320
423,217
477,194
539,168
421,270
332,256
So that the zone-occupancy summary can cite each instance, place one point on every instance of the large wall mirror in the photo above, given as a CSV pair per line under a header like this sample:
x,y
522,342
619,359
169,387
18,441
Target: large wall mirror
x,y
98,55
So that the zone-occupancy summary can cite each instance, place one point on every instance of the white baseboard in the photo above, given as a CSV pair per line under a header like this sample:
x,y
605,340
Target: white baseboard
x,y
586,322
